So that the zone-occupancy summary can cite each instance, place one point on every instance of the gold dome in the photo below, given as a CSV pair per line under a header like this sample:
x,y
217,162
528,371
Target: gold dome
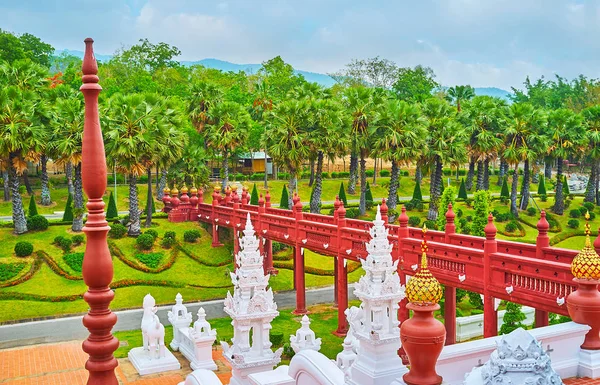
x,y
217,188
423,289
234,187
184,190
166,190
586,265
174,191
193,190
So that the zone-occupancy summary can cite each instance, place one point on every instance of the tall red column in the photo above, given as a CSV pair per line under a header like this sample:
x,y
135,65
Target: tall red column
x,y
490,315
299,265
542,241
403,313
342,281
97,264
215,227
450,292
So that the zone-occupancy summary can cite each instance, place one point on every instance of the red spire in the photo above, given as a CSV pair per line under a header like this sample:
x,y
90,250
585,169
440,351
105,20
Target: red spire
x,y
403,217
490,229
543,225
450,214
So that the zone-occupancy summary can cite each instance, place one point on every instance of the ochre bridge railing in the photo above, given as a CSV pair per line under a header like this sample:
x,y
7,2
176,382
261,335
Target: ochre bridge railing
x,y
537,275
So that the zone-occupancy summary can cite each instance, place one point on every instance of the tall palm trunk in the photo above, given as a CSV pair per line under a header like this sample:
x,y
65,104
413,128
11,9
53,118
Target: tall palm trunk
x,y
312,172
77,201
315,203
69,175
225,166
149,200
590,192
6,185
46,199
513,192
486,174
375,171
157,179
363,183
479,176
418,174
502,171
18,215
162,183
525,186
435,189
394,184
134,210
291,187
353,173
27,183
559,202
470,174
548,168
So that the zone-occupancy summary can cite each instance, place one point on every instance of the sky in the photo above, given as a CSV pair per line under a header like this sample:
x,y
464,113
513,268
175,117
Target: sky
x,y
484,43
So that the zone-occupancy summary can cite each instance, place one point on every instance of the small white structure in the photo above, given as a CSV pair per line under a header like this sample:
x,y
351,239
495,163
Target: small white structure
x,y
346,357
305,338
252,309
518,359
376,323
153,357
194,343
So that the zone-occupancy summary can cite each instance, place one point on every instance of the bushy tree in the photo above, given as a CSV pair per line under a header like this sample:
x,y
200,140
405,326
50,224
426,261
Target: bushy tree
x,y
284,202
512,318
342,195
32,207
446,198
482,209
462,190
254,196
542,185
68,215
112,211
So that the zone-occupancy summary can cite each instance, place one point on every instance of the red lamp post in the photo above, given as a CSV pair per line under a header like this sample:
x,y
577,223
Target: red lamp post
x,y
97,263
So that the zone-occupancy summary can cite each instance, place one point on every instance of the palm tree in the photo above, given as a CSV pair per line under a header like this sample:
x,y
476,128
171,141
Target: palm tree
x,y
523,144
204,96
400,138
566,136
445,144
591,118
459,94
262,103
286,137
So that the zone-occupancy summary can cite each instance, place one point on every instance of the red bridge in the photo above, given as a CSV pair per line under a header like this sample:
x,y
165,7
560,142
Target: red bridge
x,y
537,275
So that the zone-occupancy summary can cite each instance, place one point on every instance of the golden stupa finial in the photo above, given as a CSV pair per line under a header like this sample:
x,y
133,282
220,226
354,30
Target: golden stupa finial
x,y
586,265
424,289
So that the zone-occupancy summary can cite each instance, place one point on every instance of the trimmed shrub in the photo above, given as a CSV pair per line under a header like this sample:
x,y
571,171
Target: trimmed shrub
x,y
288,351
37,222
544,197
152,232
254,196
566,190
504,191
280,175
257,176
111,211
369,173
78,239
167,243
10,270
66,244
462,190
430,224
513,318
589,206
511,226
574,213
531,211
170,234
334,175
57,240
145,241
342,195
117,231
152,260
384,173
32,207
417,196
352,213
368,197
283,203
542,185
276,339
405,173
414,204
573,223
74,260
191,235
414,221
325,175
23,249
68,215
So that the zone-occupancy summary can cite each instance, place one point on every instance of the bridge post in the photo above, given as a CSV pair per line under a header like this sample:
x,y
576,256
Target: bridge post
x,y
403,313
384,211
342,279
336,206
542,241
267,199
215,227
450,292
490,315
299,264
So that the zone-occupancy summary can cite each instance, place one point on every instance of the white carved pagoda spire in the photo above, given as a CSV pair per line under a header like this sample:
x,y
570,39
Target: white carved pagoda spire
x,y
251,308
376,323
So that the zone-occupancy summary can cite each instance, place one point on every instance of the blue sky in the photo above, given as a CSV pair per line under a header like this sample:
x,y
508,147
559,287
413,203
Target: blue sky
x,y
479,42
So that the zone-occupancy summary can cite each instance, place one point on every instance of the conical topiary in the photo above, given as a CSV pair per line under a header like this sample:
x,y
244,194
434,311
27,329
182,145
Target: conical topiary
x,y
368,194
566,191
112,211
146,208
504,191
513,318
417,193
68,215
342,195
284,204
462,190
542,185
254,196
32,207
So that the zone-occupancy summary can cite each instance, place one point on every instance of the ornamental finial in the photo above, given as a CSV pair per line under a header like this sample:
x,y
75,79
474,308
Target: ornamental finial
x,y
586,265
423,289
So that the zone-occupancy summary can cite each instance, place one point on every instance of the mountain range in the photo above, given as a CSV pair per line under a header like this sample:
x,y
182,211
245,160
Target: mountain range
x,y
322,79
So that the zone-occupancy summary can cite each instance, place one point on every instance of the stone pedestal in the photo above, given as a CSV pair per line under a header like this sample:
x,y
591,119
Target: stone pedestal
x,y
589,363
144,365
279,376
198,349
377,364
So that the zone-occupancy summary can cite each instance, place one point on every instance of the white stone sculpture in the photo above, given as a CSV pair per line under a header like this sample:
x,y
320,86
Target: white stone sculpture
x,y
180,318
376,324
346,357
252,309
305,338
518,359
152,357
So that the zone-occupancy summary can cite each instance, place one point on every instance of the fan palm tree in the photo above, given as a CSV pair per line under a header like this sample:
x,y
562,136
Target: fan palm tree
x,y
204,96
400,138
591,118
458,94
228,128
566,135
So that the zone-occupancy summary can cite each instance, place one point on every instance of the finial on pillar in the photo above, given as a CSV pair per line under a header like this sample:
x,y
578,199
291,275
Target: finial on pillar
x,y
450,214
341,212
261,201
268,199
384,210
490,229
543,226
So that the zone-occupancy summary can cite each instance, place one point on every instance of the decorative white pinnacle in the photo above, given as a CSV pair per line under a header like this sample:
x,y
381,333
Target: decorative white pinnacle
x,y
305,338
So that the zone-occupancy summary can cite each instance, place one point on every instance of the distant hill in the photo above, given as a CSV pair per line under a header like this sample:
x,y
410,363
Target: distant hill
x,y
79,54
323,79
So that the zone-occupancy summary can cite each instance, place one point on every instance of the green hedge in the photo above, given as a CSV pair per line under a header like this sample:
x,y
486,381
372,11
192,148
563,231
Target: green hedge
x,y
10,270
74,260
151,260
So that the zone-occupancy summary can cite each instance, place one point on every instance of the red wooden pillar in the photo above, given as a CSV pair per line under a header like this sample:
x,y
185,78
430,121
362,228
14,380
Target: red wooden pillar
x,y
299,264
269,257
450,292
490,315
342,280
336,206
403,313
261,236
97,263
542,241
215,227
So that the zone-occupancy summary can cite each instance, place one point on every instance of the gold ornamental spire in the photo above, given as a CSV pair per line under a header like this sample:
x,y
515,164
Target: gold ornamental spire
x,y
423,289
586,265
